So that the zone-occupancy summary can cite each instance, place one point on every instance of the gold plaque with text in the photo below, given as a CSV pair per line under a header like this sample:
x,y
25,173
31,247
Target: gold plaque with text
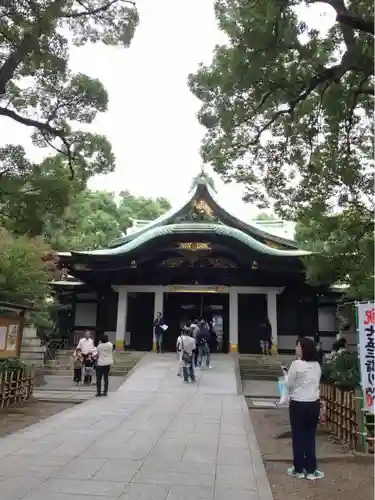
x,y
193,246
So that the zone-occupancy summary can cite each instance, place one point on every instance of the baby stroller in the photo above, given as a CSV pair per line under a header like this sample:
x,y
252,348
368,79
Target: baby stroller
x,y
88,368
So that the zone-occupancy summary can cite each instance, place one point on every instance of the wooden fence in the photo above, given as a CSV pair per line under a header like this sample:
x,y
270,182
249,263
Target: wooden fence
x,y
16,386
345,420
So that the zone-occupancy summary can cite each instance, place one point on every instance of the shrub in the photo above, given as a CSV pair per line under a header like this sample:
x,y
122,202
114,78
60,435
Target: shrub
x,y
11,364
26,267
342,369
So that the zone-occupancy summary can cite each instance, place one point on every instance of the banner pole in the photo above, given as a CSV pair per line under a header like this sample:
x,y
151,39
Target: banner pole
x,y
363,416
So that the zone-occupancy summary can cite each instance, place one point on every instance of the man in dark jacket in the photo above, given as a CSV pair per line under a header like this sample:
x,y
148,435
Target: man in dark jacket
x,y
265,337
203,343
158,332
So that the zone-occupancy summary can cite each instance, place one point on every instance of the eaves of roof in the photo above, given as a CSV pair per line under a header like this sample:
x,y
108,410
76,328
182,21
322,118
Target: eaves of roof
x,y
200,229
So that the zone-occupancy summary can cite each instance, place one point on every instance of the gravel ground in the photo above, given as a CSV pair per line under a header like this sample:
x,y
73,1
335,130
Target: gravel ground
x,y
342,477
21,416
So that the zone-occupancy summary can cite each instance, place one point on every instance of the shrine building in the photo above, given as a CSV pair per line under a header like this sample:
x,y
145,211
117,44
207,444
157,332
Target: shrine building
x,y
195,261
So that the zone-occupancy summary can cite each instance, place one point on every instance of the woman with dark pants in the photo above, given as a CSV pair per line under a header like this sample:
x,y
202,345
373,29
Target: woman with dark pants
x,y
304,410
103,365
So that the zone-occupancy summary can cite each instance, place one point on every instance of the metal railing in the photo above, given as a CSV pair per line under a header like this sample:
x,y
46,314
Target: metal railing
x,y
52,348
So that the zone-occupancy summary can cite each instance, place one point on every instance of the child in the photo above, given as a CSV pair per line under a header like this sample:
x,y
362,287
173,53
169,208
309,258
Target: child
x,y
77,364
89,364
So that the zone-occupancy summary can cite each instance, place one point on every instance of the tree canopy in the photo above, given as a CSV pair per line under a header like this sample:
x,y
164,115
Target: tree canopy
x,y
26,267
289,112
288,109
91,220
265,216
37,87
140,207
39,91
34,192
344,250
95,218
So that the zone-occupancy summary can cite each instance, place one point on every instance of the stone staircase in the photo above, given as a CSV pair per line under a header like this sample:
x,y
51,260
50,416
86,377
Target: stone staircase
x,y
257,367
62,363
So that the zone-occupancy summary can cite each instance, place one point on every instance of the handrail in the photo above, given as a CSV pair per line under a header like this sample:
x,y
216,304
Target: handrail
x,y
53,346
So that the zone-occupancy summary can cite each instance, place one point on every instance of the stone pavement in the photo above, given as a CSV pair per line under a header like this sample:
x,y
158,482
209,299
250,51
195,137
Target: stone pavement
x,y
156,438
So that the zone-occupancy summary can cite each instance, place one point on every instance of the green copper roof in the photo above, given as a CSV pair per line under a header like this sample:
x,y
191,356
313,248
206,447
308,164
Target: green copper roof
x,y
202,189
193,228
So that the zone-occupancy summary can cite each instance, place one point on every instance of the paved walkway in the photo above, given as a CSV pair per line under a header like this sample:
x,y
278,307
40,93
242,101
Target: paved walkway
x,y
154,439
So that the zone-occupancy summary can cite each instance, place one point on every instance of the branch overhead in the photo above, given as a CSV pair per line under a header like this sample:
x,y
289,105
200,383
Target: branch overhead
x,y
91,12
344,17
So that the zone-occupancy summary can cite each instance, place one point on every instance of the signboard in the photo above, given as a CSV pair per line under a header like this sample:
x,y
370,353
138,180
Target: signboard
x,y
12,337
3,338
194,289
366,347
9,337
194,246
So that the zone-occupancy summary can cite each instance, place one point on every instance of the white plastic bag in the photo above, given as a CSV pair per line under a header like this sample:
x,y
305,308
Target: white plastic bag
x,y
283,390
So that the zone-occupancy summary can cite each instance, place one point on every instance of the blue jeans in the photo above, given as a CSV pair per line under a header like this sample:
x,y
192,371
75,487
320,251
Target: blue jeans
x,y
188,370
204,351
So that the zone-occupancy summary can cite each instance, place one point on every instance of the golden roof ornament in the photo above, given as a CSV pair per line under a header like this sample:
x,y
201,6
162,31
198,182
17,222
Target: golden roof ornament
x,y
203,208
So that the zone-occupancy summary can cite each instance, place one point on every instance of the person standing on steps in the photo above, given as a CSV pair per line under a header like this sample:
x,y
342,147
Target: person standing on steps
x,y
103,365
86,344
159,328
77,365
265,337
303,382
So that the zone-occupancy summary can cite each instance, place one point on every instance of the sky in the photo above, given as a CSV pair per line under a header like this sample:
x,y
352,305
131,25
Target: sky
x,y
151,120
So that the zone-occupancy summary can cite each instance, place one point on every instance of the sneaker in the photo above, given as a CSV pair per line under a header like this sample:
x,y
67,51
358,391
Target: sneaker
x,y
293,473
318,474
98,395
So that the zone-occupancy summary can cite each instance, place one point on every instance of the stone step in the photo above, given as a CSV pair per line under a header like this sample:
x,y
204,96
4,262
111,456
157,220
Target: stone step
x,y
274,373
259,367
258,376
70,365
67,372
68,352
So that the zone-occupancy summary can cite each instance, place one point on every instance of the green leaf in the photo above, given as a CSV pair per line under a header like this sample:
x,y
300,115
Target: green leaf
x,y
37,88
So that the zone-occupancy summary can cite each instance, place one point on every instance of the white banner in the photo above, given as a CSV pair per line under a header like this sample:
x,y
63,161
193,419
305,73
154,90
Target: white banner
x,y
366,334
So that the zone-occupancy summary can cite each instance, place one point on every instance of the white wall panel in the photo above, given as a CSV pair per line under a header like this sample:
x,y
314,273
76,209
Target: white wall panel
x,y
85,314
327,319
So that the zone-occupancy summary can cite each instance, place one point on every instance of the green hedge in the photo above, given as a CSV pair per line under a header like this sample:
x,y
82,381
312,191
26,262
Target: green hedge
x,y
11,364
342,370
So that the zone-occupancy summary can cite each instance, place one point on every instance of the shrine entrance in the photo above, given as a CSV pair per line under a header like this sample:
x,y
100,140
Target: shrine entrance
x,y
181,308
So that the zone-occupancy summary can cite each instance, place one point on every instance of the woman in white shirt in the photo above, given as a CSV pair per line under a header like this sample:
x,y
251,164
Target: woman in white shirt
x,y
304,410
103,365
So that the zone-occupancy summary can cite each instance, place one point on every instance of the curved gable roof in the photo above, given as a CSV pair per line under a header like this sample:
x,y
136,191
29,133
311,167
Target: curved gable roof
x,y
203,190
192,228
